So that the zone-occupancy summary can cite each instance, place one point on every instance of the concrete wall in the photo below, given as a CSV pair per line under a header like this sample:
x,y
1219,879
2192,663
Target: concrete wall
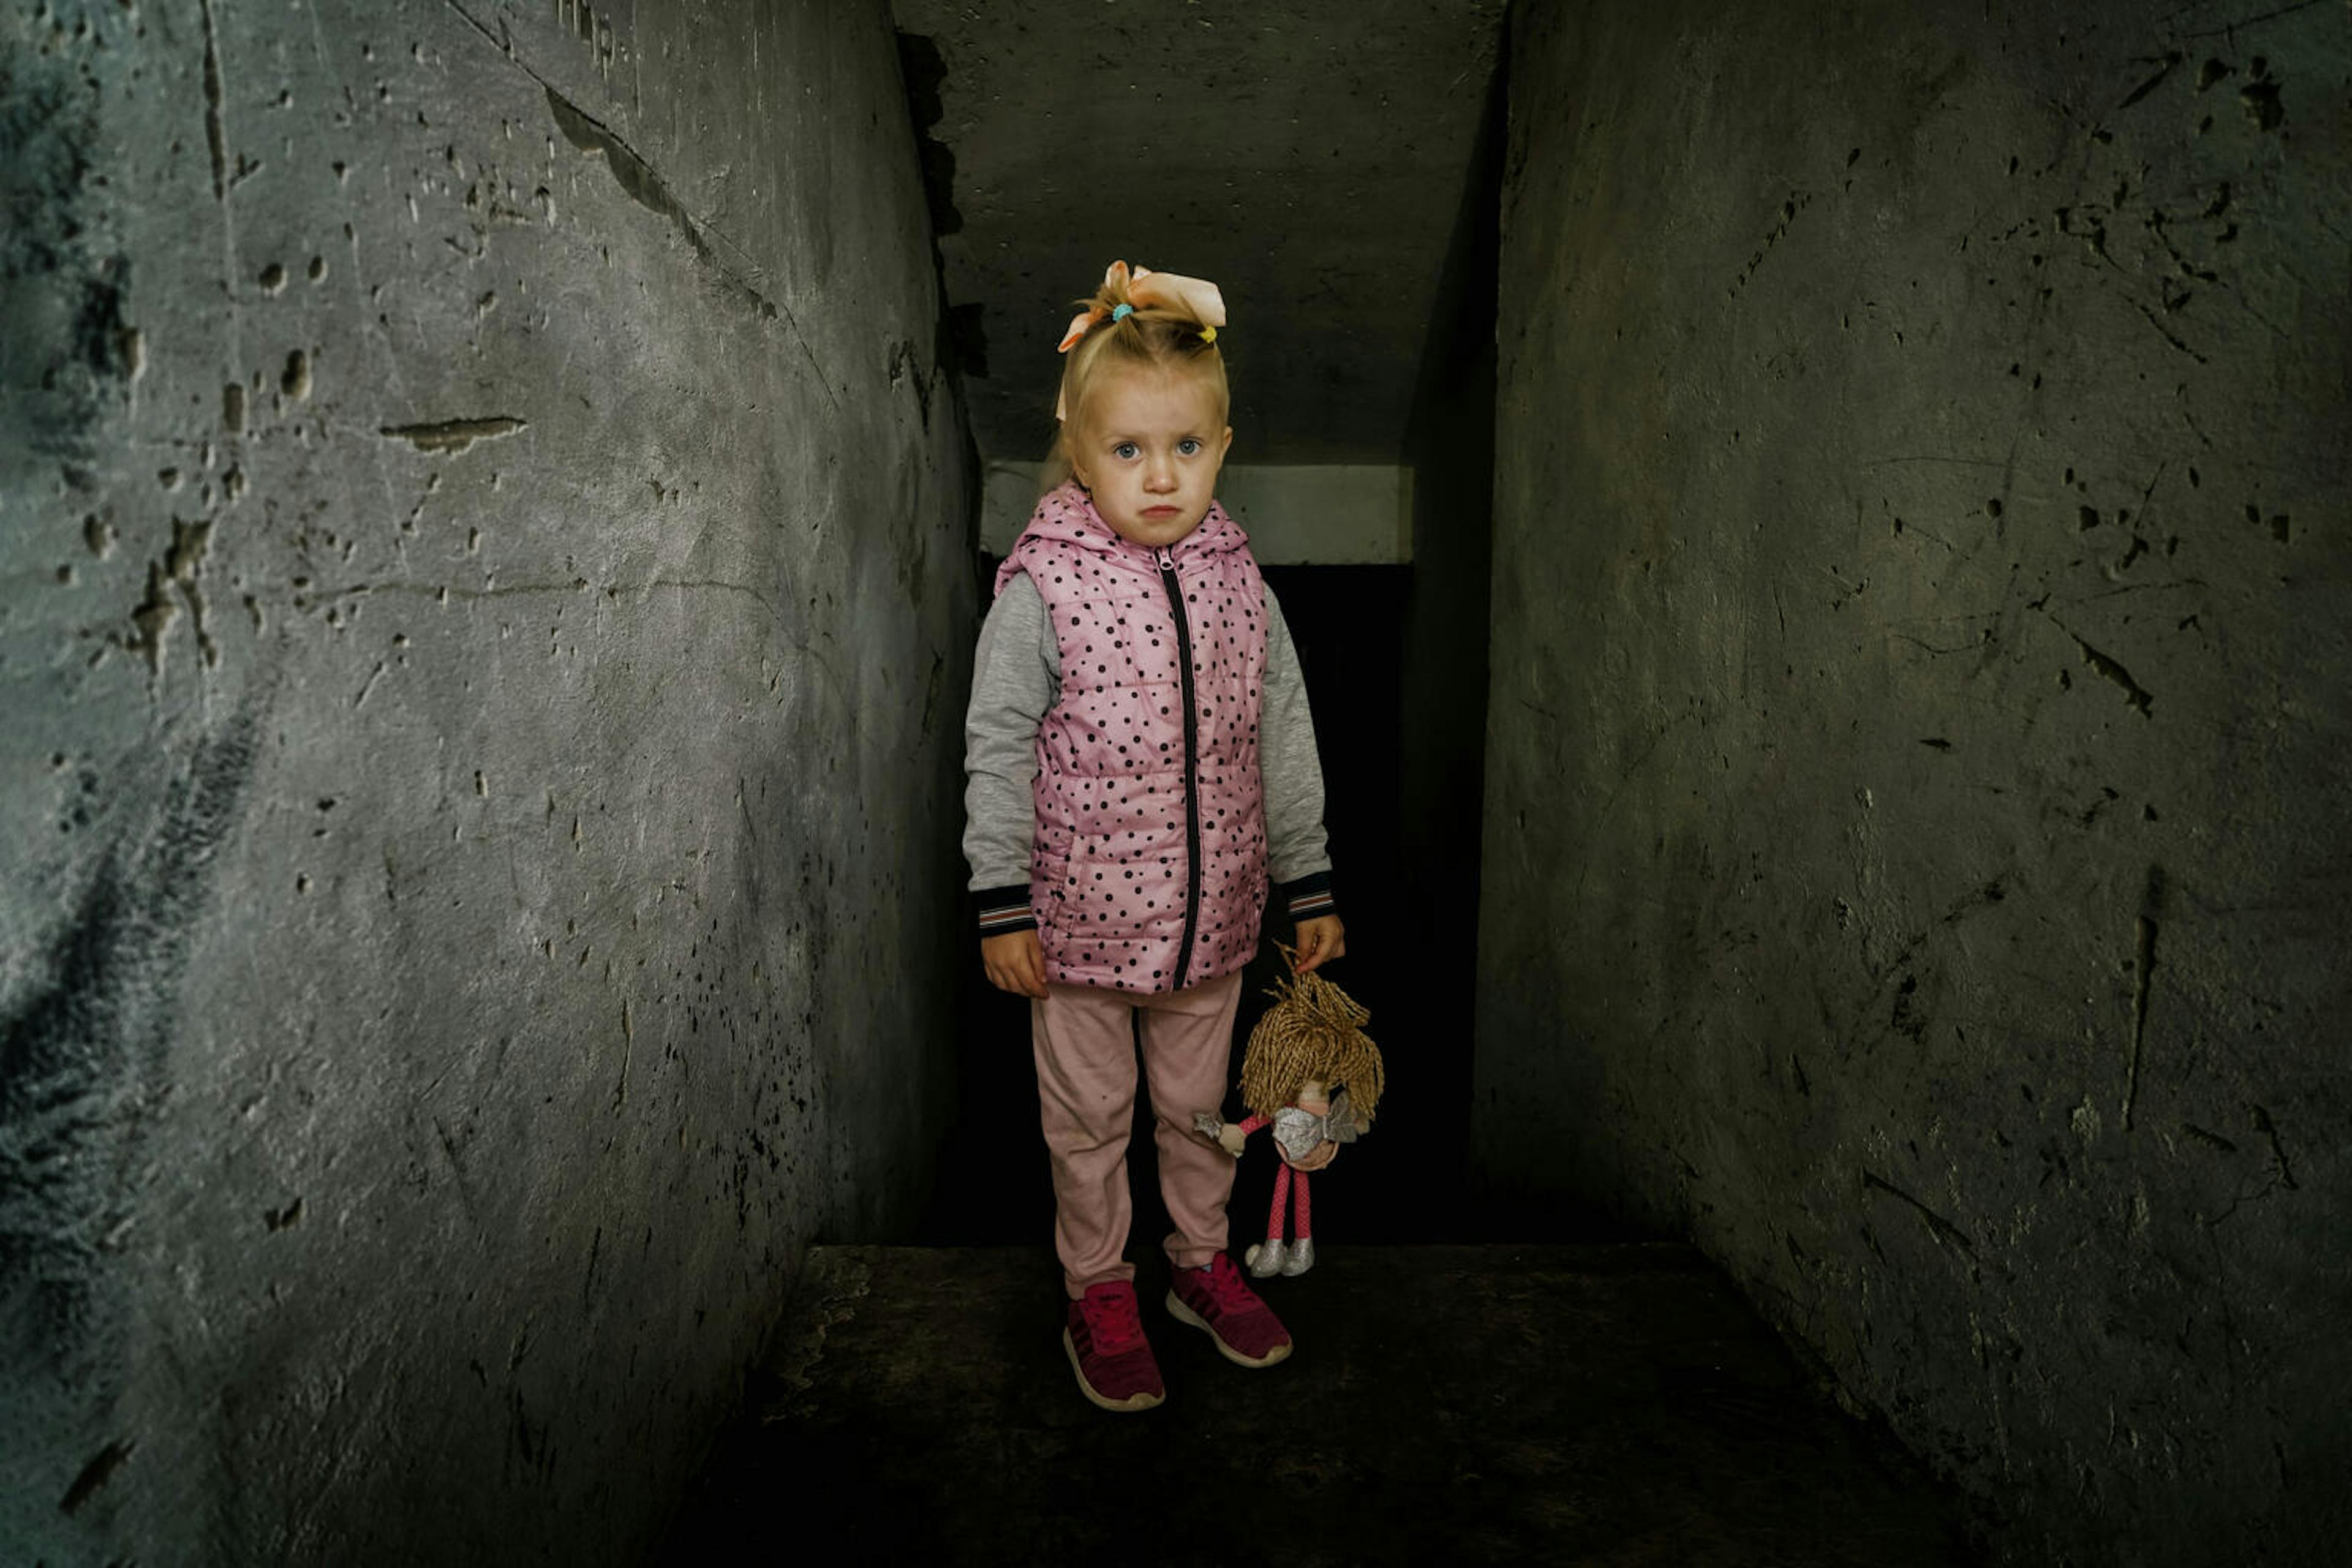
x,y
1916,861
479,519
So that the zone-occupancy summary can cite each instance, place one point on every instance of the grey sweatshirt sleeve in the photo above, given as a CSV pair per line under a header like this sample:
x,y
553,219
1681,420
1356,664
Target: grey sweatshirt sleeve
x,y
1297,851
1016,675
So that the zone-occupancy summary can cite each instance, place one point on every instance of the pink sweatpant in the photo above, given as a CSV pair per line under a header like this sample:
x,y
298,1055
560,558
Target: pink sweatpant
x,y
1084,1044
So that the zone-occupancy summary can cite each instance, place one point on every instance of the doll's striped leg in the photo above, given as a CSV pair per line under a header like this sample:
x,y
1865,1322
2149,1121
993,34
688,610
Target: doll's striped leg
x,y
1268,1256
1302,1245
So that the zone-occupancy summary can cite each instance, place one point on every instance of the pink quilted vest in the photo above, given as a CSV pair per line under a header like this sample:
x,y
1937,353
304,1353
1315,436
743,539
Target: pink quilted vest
x,y
1150,870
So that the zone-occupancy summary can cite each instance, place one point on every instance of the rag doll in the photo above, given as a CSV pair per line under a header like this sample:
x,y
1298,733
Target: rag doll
x,y
1311,1074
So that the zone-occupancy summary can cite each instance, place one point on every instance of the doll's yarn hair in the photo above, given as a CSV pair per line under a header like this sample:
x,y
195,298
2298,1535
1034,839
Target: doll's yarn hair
x,y
1313,1030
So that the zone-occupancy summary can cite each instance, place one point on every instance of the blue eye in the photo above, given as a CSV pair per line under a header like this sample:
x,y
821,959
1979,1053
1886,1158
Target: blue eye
x,y
1125,449
1190,446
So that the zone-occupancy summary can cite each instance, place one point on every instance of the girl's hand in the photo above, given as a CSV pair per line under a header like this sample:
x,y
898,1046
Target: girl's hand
x,y
1320,940
1015,962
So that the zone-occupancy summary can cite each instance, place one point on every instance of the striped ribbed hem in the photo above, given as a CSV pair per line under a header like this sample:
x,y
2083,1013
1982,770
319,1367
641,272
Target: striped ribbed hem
x,y
1309,896
1003,910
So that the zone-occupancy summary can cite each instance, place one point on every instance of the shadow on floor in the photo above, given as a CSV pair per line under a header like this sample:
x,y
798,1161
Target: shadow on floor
x,y
1611,1404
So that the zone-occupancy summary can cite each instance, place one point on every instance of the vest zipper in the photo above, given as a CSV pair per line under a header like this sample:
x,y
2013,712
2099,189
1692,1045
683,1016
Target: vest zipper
x,y
1191,766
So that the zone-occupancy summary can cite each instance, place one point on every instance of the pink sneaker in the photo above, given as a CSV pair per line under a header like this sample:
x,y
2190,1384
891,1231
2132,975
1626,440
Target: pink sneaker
x,y
1219,1300
1107,1348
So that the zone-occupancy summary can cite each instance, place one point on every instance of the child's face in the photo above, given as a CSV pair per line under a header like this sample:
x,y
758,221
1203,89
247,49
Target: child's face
x,y
1149,448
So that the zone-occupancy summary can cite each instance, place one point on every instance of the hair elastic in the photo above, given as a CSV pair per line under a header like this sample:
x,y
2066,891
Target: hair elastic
x,y
1192,297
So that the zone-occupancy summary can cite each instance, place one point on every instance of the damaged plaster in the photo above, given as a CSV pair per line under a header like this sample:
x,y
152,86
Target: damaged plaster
x,y
471,890
1915,857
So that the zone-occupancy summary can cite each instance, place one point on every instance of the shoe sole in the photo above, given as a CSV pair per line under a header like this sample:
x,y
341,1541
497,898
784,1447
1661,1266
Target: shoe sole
x,y
1184,1314
1144,1401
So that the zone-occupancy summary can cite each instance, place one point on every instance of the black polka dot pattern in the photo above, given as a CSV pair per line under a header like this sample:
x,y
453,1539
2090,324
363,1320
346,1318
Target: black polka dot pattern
x,y
1110,874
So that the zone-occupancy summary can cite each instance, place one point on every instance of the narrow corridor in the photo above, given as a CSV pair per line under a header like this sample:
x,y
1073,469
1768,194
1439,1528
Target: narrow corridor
x,y
1819,537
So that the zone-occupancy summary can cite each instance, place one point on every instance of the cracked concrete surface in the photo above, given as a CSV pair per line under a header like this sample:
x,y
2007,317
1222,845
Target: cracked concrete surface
x,y
483,520
1915,862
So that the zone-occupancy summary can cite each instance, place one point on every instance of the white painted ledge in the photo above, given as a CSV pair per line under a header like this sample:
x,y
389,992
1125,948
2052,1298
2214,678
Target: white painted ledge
x,y
1294,514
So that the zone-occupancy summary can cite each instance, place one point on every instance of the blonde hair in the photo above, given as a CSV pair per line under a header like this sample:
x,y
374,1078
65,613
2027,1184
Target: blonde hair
x,y
1313,1030
1156,337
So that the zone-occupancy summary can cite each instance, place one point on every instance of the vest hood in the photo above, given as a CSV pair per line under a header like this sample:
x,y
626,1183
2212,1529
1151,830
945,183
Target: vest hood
x,y
1067,515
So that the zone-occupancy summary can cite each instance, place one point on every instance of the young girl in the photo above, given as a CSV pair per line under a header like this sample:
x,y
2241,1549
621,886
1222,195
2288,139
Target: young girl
x,y
1141,762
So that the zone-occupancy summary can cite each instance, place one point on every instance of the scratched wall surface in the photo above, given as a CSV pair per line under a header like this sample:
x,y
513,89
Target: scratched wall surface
x,y
1915,853
481,515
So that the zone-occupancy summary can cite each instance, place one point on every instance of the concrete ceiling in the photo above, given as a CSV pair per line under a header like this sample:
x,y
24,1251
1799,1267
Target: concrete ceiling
x,y
1308,158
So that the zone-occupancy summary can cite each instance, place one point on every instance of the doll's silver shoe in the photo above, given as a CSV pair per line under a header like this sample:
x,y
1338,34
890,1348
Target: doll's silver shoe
x,y
1302,1256
1266,1258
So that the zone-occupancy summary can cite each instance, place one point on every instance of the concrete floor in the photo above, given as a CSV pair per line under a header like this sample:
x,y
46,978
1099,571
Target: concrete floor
x,y
1598,1404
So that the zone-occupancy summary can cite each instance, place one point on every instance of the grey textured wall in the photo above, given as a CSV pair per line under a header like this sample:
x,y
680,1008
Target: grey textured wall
x,y
1915,854
481,515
